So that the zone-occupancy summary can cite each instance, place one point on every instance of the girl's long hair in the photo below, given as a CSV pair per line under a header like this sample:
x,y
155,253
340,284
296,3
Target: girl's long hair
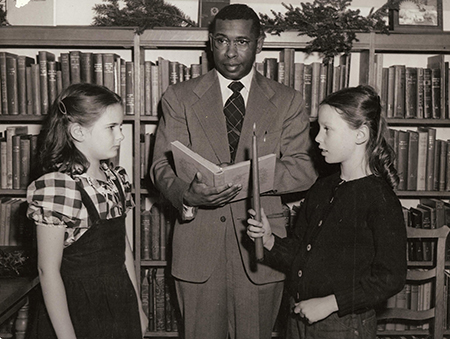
x,y
361,106
80,103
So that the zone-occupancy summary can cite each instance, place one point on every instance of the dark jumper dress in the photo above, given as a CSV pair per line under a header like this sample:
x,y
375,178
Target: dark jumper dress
x,y
101,298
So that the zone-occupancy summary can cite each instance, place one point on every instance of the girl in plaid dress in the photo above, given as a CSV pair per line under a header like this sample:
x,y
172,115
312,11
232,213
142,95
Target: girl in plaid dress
x,y
79,205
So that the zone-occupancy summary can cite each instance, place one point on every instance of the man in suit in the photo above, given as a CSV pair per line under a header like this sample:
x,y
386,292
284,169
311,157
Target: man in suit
x,y
222,291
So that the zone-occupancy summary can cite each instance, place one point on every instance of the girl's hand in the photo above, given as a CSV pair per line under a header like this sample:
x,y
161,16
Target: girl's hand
x,y
316,309
258,229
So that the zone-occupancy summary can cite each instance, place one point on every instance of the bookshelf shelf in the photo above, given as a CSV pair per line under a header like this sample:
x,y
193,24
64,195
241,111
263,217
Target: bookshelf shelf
x,y
418,194
154,263
419,122
66,36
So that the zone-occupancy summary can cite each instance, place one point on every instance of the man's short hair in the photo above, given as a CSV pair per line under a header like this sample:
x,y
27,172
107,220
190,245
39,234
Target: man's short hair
x,y
238,12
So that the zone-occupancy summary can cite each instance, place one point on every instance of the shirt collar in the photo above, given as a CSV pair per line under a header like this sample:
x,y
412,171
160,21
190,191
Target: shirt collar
x,y
224,82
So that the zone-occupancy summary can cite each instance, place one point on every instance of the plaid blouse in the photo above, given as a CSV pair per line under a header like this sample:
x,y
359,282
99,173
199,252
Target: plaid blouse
x,y
54,200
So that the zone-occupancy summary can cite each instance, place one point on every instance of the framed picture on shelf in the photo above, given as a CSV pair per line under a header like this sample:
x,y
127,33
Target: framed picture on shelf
x,y
416,16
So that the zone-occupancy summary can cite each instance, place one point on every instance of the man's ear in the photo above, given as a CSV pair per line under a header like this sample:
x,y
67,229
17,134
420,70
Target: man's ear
x,y
211,42
362,136
77,132
260,43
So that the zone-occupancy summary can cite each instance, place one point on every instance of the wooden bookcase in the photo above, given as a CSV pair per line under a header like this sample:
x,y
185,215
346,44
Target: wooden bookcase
x,y
28,40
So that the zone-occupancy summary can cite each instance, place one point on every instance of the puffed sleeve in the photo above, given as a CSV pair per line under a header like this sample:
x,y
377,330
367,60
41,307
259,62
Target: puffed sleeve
x,y
53,200
125,181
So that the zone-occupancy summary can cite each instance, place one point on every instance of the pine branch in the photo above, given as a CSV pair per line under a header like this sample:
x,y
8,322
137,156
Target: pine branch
x,y
331,24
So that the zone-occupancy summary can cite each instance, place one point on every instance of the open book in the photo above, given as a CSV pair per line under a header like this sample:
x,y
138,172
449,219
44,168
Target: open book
x,y
188,163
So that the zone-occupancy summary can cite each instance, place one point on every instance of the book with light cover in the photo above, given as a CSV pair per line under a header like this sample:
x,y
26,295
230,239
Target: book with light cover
x,y
188,163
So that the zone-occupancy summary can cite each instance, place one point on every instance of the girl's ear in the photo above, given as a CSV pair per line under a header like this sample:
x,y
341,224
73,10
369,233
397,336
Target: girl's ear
x,y
77,132
363,135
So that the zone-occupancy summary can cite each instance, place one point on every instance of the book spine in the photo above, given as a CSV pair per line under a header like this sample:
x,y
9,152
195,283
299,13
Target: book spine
x,y
442,167
298,76
130,88
65,69
52,85
86,67
22,84
29,90
281,72
411,92
160,299
145,235
315,88
307,78
16,160
156,96
174,75
435,93
430,159
390,92
148,87
108,70
98,68
399,91
3,84
419,93
12,86
155,227
422,160
3,164
123,82
36,85
427,103
75,67
413,147
25,150
43,77
271,68
402,160
59,82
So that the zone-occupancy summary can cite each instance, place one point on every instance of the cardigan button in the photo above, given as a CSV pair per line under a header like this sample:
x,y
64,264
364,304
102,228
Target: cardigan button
x,y
300,273
223,219
320,223
308,248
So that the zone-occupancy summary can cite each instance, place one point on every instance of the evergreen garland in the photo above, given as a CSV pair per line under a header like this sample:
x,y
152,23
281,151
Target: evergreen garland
x,y
144,14
331,24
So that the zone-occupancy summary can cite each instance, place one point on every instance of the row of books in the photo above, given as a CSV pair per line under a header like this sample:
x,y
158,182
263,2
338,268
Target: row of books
x,y
422,160
158,302
17,155
156,225
414,92
430,213
30,85
314,80
14,226
157,76
416,297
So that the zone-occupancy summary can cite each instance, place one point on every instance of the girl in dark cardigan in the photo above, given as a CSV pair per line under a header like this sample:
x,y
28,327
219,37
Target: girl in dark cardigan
x,y
347,253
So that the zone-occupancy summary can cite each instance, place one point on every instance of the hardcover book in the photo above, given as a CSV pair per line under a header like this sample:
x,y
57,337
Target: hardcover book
x,y
188,163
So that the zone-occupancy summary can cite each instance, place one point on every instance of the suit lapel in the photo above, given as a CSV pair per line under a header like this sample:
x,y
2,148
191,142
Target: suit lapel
x,y
209,111
260,111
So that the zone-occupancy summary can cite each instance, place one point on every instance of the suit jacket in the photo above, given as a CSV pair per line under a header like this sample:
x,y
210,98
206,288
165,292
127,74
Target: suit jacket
x,y
193,114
